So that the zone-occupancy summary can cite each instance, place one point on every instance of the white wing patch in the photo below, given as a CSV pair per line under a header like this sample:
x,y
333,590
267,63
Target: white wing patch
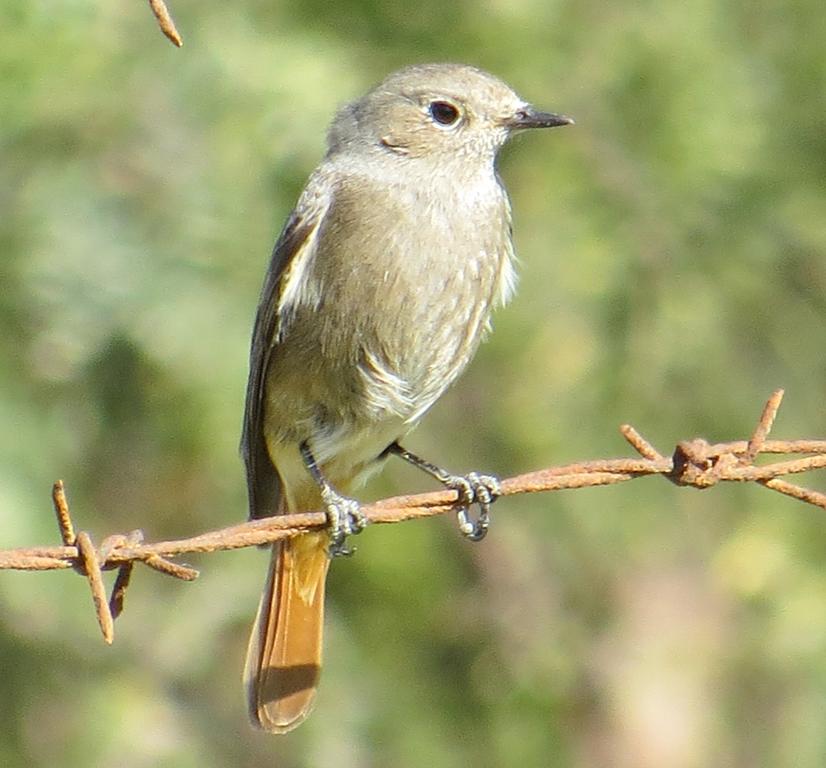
x,y
296,288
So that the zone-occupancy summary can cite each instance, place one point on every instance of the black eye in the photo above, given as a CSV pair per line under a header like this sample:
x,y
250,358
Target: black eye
x,y
443,112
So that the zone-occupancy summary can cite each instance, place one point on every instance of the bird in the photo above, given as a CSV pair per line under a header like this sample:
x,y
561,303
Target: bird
x,y
378,293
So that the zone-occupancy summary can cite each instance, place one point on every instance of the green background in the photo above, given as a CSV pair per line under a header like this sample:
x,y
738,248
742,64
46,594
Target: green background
x,y
672,274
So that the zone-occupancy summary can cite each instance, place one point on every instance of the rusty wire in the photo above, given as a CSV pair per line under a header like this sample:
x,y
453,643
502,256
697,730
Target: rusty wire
x,y
696,463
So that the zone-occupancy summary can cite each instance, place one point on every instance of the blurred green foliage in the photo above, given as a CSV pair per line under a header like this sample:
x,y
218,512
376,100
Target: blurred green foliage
x,y
673,252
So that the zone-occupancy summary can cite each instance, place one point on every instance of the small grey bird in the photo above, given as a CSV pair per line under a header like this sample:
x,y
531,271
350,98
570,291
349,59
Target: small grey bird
x,y
379,290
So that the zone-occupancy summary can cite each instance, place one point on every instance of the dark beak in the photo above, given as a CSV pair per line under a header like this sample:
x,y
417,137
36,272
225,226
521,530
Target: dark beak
x,y
528,117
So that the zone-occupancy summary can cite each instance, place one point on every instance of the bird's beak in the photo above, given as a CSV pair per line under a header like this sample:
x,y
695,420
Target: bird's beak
x,y
529,117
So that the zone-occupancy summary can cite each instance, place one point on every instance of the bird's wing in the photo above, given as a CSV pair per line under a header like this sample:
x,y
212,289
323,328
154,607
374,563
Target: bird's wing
x,y
291,254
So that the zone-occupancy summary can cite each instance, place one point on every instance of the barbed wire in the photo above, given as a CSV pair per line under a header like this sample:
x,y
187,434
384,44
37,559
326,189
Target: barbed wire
x,y
695,463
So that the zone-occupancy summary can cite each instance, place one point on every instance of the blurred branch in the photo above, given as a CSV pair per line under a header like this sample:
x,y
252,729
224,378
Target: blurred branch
x,y
165,21
694,463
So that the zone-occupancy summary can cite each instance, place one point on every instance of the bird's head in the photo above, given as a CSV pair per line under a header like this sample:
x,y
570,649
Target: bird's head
x,y
440,112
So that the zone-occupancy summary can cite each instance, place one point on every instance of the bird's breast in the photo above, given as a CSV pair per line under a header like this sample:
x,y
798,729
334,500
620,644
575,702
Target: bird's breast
x,y
406,277
418,294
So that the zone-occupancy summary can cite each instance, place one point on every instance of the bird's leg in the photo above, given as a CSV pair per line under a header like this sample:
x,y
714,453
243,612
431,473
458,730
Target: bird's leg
x,y
472,488
344,514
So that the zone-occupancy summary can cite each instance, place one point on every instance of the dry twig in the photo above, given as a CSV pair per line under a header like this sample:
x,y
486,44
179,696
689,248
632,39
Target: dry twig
x,y
695,463
165,21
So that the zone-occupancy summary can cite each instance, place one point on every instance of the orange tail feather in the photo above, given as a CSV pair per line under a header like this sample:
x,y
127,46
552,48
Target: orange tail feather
x,y
284,655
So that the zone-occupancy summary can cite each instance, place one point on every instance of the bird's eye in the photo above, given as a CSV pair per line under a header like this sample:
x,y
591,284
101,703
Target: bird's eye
x,y
443,113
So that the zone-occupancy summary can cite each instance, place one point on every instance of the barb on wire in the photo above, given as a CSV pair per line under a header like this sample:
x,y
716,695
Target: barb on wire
x,y
696,463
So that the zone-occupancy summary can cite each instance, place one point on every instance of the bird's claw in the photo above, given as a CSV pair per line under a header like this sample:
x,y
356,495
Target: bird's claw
x,y
345,518
481,490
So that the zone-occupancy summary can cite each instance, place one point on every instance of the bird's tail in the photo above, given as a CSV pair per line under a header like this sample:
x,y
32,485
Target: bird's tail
x,y
284,655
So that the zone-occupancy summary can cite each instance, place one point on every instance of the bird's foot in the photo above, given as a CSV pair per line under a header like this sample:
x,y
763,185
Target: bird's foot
x,y
473,489
345,518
